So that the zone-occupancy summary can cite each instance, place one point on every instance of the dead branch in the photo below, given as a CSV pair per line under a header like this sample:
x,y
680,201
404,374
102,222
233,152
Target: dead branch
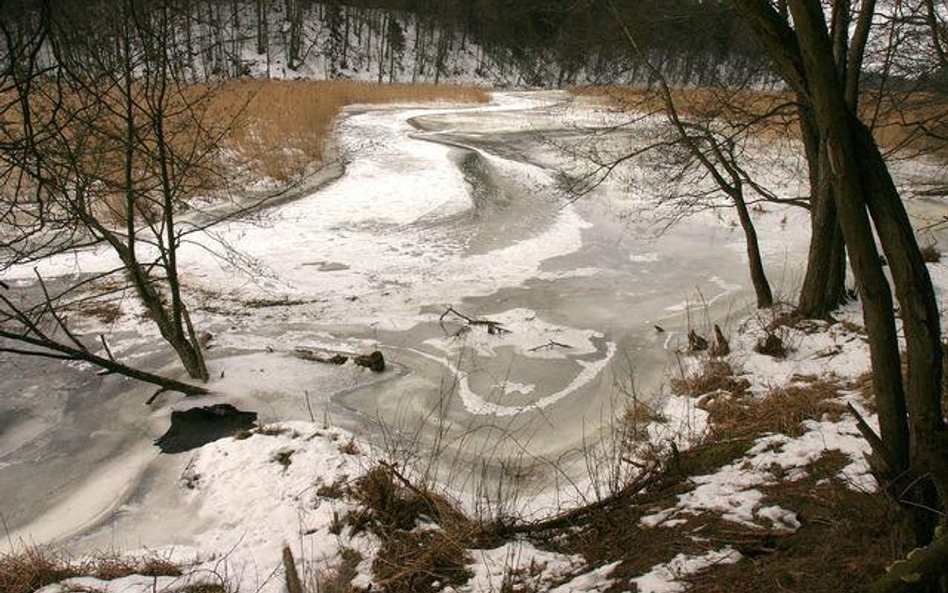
x,y
569,518
493,327
549,346
881,459
51,349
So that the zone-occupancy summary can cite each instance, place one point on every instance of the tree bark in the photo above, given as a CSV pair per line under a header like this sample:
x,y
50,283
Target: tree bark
x,y
824,281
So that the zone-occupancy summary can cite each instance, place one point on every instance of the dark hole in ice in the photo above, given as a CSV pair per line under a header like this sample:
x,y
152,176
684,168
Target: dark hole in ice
x,y
193,428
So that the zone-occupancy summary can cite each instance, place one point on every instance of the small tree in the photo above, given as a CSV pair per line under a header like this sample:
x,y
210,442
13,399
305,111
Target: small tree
x,y
104,145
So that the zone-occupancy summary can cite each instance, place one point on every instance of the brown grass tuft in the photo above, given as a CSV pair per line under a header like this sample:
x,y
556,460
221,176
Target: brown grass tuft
x,y
275,430
635,420
782,410
391,505
32,568
421,561
771,345
425,537
203,588
931,254
713,375
337,578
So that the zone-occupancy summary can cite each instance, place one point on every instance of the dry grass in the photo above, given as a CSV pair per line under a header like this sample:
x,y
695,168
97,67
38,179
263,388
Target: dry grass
x,y
266,128
421,561
635,420
390,504
275,430
424,536
897,119
32,568
771,345
713,375
336,578
284,125
843,545
782,410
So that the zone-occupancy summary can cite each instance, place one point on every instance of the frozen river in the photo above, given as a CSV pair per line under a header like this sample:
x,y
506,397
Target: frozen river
x,y
437,206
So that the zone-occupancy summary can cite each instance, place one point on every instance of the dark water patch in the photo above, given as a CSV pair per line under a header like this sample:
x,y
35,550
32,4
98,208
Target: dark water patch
x,y
196,427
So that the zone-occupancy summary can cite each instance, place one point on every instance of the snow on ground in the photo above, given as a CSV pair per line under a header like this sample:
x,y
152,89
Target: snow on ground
x,y
733,491
532,566
664,578
273,488
816,349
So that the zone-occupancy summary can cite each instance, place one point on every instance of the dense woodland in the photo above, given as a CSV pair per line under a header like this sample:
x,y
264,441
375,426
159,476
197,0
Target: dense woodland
x,y
533,43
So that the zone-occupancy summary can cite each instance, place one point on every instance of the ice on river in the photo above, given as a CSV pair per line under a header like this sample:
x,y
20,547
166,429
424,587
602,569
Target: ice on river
x,y
437,206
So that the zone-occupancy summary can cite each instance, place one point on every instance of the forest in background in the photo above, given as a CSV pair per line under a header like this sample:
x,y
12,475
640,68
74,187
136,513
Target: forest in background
x,y
502,42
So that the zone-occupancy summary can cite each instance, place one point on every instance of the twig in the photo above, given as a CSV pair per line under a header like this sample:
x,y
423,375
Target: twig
x,y
493,327
549,346
105,345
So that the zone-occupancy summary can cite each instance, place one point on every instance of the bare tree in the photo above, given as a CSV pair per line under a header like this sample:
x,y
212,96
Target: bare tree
x,y
706,145
107,145
912,448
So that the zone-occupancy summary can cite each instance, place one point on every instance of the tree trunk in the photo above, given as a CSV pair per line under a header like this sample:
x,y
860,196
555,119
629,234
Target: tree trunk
x,y
860,179
824,282
919,311
263,32
832,117
758,277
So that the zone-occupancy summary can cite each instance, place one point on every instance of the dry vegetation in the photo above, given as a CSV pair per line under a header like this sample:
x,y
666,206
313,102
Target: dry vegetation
x,y
781,410
338,577
713,375
842,544
898,120
267,128
32,568
284,125
931,254
415,559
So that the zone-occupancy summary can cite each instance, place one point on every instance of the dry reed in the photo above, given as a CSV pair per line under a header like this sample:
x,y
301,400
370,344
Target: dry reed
x,y
898,120
282,126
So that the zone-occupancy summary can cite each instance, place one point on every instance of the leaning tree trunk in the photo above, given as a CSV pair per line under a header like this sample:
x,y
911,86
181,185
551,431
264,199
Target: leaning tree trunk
x,y
860,180
765,297
919,312
836,138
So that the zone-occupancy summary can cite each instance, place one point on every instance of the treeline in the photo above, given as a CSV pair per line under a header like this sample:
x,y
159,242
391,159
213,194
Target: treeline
x,y
549,43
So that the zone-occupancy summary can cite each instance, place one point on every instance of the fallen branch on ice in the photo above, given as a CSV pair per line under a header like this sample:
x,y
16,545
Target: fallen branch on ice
x,y
493,327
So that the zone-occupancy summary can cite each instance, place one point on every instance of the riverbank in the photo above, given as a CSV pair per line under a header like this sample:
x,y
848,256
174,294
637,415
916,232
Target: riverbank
x,y
749,474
